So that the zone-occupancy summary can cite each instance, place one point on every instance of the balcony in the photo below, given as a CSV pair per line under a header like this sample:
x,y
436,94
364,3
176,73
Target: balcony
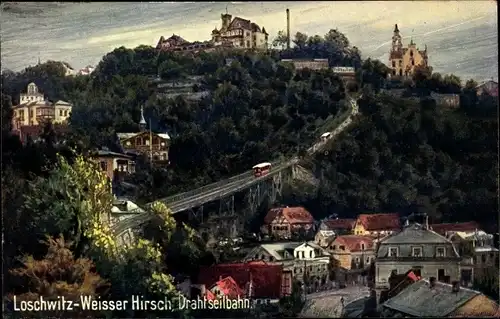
x,y
45,113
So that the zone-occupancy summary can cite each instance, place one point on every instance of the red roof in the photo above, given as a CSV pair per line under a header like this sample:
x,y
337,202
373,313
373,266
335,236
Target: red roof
x,y
447,227
266,278
229,288
293,215
340,223
353,242
373,222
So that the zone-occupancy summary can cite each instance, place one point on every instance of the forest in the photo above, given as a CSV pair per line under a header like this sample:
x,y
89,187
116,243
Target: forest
x,y
402,155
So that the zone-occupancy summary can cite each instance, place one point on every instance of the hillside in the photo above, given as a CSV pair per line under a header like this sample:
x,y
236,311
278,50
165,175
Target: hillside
x,y
405,156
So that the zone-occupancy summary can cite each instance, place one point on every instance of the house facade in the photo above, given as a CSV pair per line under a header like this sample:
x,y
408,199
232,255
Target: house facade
x,y
147,143
114,165
303,260
480,257
240,33
419,249
402,61
352,251
324,237
341,226
377,225
33,109
283,223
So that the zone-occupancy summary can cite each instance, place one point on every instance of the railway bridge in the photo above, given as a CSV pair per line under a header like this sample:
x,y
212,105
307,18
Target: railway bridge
x,y
257,190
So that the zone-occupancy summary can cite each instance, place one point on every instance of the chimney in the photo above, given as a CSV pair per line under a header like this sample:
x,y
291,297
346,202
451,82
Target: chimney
x,y
288,28
426,221
432,282
455,286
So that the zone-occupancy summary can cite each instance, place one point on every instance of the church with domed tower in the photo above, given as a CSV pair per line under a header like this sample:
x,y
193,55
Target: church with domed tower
x,y
402,61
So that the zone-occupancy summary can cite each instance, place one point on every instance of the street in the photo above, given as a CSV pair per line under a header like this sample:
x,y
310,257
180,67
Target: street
x,y
329,303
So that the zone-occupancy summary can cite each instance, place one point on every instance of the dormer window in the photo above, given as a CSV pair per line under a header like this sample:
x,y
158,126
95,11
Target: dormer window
x,y
393,252
440,252
416,251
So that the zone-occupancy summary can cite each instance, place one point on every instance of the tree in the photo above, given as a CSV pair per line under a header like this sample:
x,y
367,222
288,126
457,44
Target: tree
x,y
290,306
300,40
281,40
170,70
58,274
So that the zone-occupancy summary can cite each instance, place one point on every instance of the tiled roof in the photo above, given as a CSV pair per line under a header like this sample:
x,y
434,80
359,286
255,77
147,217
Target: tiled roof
x,y
229,288
420,300
353,242
293,215
373,222
340,223
266,278
240,23
447,227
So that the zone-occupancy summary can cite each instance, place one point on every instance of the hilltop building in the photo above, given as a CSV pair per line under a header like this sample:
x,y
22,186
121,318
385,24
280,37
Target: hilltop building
x,y
178,44
33,109
241,33
402,61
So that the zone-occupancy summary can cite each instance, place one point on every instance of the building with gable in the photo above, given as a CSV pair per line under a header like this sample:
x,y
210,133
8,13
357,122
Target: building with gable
x,y
448,229
352,251
489,87
114,165
341,226
431,298
253,280
402,61
241,33
33,109
324,237
147,143
300,258
416,248
377,225
282,223
178,44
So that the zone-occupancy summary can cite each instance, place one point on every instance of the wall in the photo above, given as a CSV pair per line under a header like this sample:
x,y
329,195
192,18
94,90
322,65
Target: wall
x,y
429,269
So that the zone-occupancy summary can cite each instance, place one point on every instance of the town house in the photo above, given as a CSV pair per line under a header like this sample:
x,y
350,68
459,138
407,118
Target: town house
x,y
259,281
298,257
377,225
114,165
241,33
352,251
282,223
419,249
341,226
480,257
324,237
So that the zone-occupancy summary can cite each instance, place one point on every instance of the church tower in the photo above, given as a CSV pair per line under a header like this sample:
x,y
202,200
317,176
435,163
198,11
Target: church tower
x,y
142,123
397,43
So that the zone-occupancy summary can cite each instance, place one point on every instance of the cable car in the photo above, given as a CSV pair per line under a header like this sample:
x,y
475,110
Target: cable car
x,y
261,169
325,136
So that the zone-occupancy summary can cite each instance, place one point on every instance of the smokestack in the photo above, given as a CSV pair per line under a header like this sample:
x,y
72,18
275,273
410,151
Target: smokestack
x,y
287,28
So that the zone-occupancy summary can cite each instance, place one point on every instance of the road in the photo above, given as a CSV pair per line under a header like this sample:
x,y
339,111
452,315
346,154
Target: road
x,y
328,304
194,198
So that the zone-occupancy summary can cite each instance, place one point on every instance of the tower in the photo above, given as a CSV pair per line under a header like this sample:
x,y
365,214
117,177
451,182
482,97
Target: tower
x,y
397,44
288,28
142,123
226,20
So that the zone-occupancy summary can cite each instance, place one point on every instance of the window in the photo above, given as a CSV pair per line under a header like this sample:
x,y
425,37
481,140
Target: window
x,y
310,254
400,63
357,259
362,246
393,64
138,141
411,52
162,143
303,254
441,274
400,72
483,258
60,113
334,247
440,252
104,166
412,62
342,247
145,141
248,34
368,260
393,252
416,251
394,72
242,43
248,44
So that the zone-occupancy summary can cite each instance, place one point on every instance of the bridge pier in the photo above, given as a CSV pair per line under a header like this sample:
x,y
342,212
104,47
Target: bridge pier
x,y
226,206
196,213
